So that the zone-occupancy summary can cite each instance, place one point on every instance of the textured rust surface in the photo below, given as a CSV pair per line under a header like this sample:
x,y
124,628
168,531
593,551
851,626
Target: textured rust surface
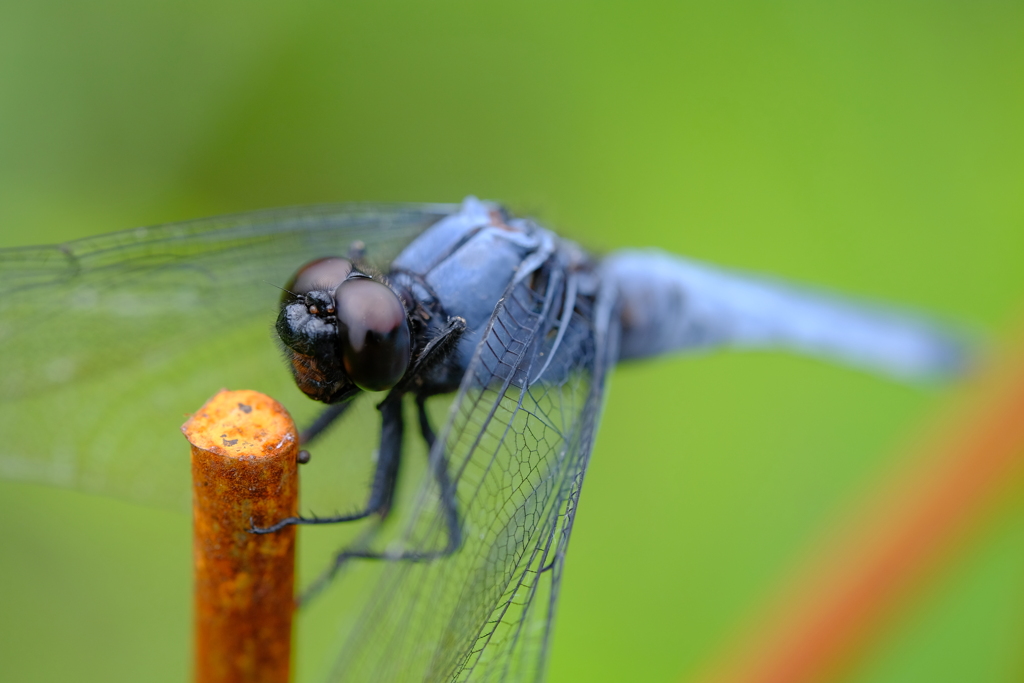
x,y
244,461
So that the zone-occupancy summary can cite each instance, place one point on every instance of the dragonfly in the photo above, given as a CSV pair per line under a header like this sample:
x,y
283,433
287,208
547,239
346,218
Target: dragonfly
x,y
107,341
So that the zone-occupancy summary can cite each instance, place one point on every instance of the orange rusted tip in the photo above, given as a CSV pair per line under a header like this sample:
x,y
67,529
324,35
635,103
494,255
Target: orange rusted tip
x,y
244,474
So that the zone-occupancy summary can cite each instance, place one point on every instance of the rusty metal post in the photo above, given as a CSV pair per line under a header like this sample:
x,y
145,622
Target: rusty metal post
x,y
244,462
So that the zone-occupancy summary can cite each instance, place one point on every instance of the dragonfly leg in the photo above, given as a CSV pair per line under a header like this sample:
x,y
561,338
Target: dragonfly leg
x,y
439,467
384,479
360,550
324,420
434,352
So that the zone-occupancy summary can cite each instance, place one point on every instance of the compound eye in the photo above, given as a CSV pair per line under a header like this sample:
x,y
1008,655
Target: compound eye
x,y
324,274
374,334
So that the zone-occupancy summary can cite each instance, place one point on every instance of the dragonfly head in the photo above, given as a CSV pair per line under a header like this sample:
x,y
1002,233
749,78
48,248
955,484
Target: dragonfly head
x,y
343,331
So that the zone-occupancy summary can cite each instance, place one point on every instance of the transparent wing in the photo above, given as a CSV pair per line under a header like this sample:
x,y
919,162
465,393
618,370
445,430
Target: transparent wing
x,y
516,444
107,342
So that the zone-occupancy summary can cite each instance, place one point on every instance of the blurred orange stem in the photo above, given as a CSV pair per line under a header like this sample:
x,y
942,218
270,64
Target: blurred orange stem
x,y
845,595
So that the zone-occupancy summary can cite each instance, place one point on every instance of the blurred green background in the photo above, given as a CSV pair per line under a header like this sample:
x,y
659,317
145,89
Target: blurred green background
x,y
875,148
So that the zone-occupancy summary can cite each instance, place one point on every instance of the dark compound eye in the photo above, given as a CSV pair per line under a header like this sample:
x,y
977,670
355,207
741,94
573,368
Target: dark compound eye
x,y
323,274
374,334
